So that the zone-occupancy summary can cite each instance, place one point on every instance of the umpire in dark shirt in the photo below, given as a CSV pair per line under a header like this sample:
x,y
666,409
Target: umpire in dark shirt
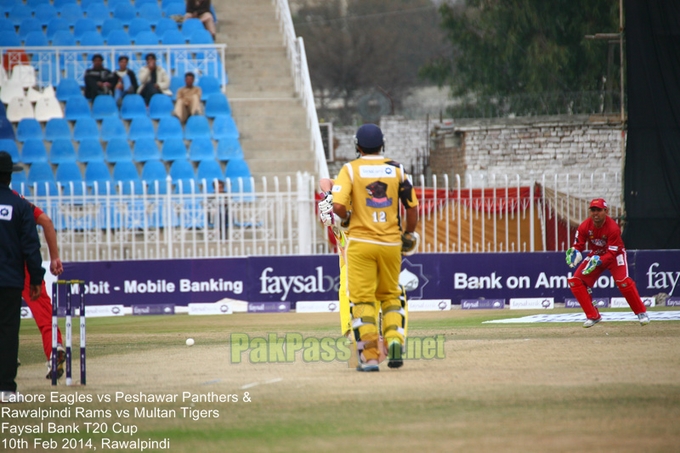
x,y
19,248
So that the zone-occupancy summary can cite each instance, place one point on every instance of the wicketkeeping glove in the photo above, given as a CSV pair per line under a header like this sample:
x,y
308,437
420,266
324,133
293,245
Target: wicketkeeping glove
x,y
409,243
573,257
326,209
592,264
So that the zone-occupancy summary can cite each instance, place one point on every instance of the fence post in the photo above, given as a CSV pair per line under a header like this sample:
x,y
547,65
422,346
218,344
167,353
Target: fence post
x,y
304,220
531,215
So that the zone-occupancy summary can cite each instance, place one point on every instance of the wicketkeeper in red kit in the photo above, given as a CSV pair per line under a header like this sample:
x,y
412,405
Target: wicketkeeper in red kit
x,y
607,253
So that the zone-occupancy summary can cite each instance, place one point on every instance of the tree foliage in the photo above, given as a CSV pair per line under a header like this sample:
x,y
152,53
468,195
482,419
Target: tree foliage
x,y
515,47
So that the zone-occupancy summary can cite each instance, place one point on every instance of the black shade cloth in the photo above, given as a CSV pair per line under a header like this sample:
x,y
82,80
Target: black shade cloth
x,y
652,164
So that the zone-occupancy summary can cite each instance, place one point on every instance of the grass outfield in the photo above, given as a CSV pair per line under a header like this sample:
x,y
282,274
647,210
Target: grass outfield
x,y
501,387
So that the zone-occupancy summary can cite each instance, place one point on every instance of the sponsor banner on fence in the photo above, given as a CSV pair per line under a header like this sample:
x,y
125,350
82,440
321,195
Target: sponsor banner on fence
x,y
268,307
673,302
482,304
216,308
102,311
317,307
599,302
299,278
620,302
532,303
429,305
147,309
26,313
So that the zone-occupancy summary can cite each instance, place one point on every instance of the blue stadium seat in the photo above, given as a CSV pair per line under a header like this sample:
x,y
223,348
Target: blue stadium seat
x,y
133,107
67,173
63,38
29,25
86,129
196,127
118,150
97,12
217,105
8,38
150,12
182,169
92,38
173,37
173,150
113,3
124,12
34,4
57,129
141,127
82,25
238,174
145,149
8,25
62,151
109,25
85,4
201,149
138,25
19,12
208,172
165,24
36,39
224,127
104,106
68,88
10,146
41,174
176,82
98,172
160,107
28,129
90,150
146,38
139,3
33,151
6,129
71,13
200,37
174,8
45,14
229,149
191,25
209,85
55,25
126,173
154,170
169,128
118,38
112,127
77,107
61,3
20,183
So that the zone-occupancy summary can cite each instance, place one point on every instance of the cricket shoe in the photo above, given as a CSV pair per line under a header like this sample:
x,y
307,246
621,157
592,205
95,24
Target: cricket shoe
x,y
643,318
591,322
61,359
394,355
371,365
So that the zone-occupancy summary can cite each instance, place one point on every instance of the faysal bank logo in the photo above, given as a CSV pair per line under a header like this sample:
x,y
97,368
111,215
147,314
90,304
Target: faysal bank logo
x,y
413,279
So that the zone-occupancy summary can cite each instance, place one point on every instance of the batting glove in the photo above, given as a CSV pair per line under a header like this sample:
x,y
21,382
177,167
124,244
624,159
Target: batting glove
x,y
409,243
326,210
573,257
592,264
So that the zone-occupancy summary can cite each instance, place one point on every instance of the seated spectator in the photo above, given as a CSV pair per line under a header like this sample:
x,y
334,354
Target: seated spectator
x,y
200,9
98,79
188,99
153,79
124,80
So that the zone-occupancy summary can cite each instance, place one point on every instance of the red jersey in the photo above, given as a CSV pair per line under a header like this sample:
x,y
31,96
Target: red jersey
x,y
604,241
36,210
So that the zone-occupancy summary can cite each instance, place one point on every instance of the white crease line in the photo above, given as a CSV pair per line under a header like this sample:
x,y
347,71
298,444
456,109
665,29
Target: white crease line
x,y
274,381
247,386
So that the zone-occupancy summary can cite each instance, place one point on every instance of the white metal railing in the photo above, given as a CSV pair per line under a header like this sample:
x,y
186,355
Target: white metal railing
x,y
295,50
277,217
51,64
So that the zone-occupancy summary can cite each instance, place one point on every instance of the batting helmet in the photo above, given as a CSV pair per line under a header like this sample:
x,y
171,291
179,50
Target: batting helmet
x,y
369,136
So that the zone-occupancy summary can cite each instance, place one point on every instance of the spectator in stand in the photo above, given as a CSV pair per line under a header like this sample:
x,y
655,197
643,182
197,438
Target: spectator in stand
x,y
153,79
98,79
200,9
124,80
188,99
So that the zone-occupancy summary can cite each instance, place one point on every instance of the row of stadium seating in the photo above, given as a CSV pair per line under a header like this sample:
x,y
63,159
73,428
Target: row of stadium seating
x,y
100,180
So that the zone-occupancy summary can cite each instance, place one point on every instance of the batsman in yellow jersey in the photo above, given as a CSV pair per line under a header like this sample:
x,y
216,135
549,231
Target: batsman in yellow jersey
x,y
371,187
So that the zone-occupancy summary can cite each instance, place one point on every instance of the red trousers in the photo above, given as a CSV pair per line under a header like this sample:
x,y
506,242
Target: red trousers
x,y
42,313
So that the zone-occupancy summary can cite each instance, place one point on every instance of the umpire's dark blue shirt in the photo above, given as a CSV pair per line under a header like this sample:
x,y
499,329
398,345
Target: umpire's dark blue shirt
x,y
19,241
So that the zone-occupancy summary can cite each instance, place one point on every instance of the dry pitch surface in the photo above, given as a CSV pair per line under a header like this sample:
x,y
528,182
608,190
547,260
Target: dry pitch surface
x,y
501,388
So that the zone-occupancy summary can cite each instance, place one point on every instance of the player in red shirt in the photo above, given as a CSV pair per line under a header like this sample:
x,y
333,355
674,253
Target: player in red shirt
x,y
607,253
41,308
